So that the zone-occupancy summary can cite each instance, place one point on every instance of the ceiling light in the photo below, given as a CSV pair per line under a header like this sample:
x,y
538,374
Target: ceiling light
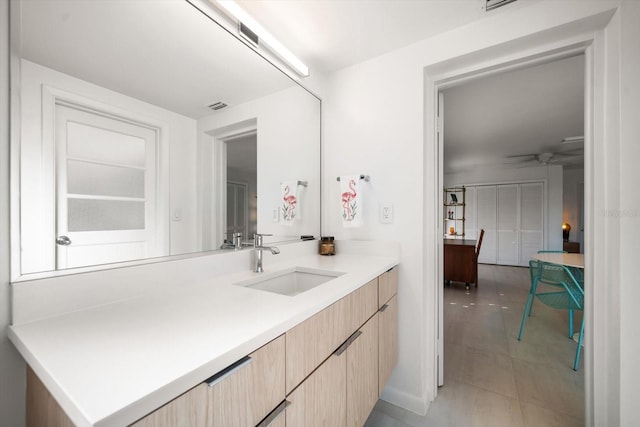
x,y
232,8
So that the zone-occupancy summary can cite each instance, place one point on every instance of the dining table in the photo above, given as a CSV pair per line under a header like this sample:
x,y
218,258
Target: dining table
x,y
569,260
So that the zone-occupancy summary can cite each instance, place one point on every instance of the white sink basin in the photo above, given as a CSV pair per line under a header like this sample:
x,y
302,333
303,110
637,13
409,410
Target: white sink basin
x,y
290,282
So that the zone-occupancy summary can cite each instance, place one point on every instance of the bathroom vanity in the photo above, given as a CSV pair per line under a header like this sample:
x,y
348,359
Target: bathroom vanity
x,y
217,352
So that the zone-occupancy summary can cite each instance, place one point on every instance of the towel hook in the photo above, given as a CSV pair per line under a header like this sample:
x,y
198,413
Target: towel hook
x,y
303,183
366,178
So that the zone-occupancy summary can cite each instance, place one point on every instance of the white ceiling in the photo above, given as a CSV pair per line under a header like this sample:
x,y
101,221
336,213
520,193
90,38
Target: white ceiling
x,y
165,41
524,112
164,52
519,113
331,34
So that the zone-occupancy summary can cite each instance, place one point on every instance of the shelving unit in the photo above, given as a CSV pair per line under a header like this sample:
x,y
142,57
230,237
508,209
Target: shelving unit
x,y
454,212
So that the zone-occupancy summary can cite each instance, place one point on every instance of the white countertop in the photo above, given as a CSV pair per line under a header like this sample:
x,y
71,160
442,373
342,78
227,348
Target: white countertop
x,y
110,365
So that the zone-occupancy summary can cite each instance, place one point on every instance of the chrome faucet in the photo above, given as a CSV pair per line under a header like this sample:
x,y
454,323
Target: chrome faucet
x,y
258,248
236,242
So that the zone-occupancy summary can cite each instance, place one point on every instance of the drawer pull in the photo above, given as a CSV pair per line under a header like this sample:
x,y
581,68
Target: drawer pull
x,y
347,343
228,371
383,308
274,414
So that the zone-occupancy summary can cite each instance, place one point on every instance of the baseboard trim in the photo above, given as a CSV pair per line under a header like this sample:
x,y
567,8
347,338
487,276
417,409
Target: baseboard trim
x,y
410,402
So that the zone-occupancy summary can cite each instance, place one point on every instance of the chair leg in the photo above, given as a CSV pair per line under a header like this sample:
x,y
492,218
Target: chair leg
x,y
576,362
571,324
532,292
527,309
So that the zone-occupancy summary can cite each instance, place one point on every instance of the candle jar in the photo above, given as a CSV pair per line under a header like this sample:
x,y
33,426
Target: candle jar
x,y
452,230
327,246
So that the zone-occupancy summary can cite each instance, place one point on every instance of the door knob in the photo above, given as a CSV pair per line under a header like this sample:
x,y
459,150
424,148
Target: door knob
x,y
63,240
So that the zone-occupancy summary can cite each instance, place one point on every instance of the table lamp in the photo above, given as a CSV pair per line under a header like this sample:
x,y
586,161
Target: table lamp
x,y
566,228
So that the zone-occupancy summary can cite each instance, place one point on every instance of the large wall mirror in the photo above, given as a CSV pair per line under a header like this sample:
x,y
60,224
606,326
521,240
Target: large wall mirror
x,y
144,129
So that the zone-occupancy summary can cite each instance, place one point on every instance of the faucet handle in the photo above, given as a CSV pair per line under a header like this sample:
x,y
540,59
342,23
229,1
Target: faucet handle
x,y
257,239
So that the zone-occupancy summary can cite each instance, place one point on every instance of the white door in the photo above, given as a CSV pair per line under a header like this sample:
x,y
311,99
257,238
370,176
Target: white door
x,y
507,225
237,209
531,220
486,219
105,189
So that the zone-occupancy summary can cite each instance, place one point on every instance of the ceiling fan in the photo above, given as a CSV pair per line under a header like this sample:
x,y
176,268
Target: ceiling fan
x,y
549,157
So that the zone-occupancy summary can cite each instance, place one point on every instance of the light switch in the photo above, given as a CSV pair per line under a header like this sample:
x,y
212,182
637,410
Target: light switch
x,y
386,213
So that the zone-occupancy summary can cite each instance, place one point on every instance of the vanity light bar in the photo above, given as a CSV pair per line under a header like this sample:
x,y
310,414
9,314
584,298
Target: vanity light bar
x,y
232,8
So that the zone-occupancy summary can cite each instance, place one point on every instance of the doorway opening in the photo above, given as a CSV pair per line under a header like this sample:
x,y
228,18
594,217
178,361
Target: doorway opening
x,y
242,186
442,79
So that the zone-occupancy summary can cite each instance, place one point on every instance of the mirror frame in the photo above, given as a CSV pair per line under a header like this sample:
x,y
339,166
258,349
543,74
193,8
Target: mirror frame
x,y
15,121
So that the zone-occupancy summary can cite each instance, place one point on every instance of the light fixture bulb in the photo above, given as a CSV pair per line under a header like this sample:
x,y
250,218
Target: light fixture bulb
x,y
274,45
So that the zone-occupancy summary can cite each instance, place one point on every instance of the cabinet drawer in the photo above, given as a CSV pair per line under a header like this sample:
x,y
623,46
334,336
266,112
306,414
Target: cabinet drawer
x,y
320,400
240,396
313,340
387,286
388,341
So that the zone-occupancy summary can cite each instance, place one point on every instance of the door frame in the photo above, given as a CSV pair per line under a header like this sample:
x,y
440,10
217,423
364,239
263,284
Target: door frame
x,y
598,387
41,245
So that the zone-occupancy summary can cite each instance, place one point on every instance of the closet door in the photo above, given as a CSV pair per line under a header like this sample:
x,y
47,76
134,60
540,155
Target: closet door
x,y
507,225
531,220
470,223
486,218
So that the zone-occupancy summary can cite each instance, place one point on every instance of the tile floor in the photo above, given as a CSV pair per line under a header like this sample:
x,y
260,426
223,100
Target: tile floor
x,y
491,378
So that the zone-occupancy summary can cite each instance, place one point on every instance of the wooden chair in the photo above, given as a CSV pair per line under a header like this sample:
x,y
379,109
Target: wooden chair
x,y
478,253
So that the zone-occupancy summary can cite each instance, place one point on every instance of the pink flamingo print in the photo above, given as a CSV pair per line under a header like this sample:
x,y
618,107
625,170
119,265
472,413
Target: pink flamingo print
x,y
290,202
347,197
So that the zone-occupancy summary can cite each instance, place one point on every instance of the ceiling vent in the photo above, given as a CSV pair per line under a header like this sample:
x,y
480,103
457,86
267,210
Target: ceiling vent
x,y
494,4
248,34
217,106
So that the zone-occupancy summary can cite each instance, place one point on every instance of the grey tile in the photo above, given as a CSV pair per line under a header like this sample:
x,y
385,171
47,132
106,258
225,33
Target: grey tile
x,y
390,409
535,416
487,370
491,378
414,420
461,405
557,388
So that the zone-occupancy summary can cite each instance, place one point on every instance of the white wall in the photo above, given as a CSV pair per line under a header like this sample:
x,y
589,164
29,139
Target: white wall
x,y
554,188
629,175
12,367
387,142
288,132
376,122
572,184
37,167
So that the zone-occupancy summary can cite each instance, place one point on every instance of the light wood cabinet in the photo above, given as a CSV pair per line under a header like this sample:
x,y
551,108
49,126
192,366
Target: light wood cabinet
x,y
388,341
387,286
42,409
362,374
344,389
313,340
320,400
241,395
329,368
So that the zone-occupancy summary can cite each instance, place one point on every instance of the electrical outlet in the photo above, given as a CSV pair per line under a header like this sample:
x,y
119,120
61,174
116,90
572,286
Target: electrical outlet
x,y
275,215
386,213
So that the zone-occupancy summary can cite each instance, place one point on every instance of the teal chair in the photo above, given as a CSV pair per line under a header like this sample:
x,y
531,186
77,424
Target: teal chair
x,y
577,272
570,297
535,272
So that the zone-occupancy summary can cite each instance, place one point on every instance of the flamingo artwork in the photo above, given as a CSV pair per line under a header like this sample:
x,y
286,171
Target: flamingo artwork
x,y
349,202
289,205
